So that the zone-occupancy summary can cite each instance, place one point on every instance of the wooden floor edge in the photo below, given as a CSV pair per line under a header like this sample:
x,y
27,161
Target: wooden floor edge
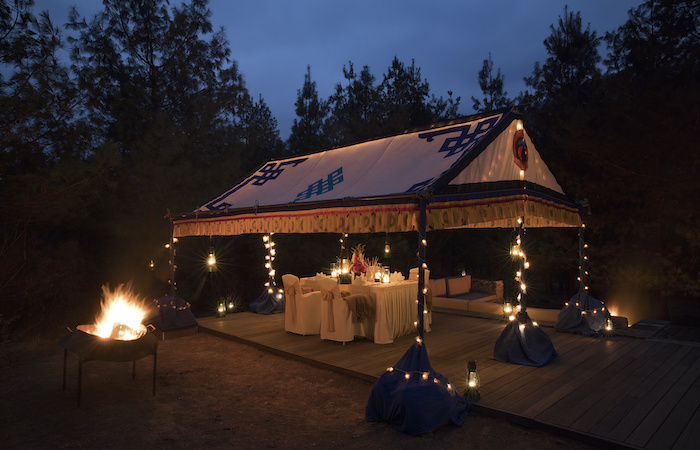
x,y
586,438
580,436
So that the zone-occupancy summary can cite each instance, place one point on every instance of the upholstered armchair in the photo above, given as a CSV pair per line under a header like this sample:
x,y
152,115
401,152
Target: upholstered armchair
x,y
302,312
336,317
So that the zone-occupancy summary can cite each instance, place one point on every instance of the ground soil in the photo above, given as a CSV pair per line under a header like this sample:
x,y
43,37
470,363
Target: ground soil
x,y
212,393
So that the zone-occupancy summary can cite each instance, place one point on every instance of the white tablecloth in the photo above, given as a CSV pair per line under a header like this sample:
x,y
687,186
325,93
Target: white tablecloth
x,y
396,310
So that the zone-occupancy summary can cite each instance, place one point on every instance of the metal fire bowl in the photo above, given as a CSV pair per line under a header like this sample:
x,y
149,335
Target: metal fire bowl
x,y
92,347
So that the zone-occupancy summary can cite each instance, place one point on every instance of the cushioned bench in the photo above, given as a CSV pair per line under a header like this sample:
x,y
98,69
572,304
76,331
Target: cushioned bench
x,y
457,293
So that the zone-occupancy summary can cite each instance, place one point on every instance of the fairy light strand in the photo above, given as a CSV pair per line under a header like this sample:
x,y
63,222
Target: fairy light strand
x,y
271,284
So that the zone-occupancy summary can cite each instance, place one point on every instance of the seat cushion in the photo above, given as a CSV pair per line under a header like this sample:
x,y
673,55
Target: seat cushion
x,y
459,285
438,287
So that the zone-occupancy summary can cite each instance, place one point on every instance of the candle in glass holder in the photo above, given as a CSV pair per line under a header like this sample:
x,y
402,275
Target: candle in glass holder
x,y
387,275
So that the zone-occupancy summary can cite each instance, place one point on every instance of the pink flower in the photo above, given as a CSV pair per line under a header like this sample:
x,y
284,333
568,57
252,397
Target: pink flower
x,y
358,260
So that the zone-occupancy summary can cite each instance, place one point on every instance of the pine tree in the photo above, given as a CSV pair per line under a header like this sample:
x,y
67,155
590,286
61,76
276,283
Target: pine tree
x,y
573,57
356,112
492,88
308,130
52,178
162,89
405,98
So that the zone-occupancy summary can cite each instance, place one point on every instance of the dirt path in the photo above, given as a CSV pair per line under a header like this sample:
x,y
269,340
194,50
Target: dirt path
x,y
211,393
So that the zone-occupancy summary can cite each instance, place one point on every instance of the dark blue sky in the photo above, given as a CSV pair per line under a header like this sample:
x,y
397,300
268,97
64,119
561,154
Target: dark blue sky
x,y
274,40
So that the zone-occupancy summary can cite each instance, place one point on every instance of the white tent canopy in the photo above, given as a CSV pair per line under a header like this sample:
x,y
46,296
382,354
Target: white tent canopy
x,y
482,171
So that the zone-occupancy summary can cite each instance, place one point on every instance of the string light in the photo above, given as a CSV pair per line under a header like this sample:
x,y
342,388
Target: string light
x,y
583,273
517,252
271,284
420,375
507,308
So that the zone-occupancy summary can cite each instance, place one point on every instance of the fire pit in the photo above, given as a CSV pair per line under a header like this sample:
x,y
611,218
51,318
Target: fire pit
x,y
116,336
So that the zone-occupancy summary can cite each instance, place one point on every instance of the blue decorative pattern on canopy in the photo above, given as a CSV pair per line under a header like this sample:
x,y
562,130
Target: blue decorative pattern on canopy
x,y
323,185
465,141
419,404
522,342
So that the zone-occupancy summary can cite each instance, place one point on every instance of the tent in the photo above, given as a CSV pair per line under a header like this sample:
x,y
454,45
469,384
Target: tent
x,y
470,170
482,171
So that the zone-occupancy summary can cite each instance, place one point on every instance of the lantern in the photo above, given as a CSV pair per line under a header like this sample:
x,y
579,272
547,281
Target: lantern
x,y
211,261
221,310
386,278
609,327
472,390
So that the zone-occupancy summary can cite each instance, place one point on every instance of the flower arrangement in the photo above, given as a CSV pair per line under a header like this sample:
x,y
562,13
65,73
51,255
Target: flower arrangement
x,y
358,260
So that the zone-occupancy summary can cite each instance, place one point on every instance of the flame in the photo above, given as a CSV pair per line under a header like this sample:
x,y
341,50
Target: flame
x,y
121,315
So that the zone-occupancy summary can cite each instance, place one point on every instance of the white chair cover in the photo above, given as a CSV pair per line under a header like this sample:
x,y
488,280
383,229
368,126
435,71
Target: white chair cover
x,y
302,312
413,274
336,317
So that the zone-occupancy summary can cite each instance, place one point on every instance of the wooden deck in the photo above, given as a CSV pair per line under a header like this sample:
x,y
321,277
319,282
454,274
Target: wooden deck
x,y
610,392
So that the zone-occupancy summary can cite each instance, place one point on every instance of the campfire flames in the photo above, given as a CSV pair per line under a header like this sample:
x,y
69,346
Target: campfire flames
x,y
121,315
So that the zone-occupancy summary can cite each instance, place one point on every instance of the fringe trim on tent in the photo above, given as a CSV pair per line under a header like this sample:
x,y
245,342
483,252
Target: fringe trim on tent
x,y
500,212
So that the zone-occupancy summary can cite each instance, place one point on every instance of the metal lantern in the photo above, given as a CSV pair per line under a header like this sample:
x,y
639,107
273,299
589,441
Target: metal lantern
x,y
211,261
221,310
472,390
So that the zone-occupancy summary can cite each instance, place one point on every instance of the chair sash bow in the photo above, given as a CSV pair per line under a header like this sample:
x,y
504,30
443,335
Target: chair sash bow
x,y
328,296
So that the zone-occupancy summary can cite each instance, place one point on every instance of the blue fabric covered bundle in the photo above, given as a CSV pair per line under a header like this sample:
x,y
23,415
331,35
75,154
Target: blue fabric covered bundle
x,y
174,313
528,345
268,303
571,320
419,404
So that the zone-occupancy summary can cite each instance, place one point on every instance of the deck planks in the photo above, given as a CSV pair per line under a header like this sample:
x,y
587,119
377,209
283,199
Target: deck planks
x,y
621,391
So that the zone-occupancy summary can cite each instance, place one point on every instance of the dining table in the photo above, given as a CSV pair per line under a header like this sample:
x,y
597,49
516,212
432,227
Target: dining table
x,y
396,309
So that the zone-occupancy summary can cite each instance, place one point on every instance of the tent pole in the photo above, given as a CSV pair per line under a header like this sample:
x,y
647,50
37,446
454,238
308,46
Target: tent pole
x,y
422,219
581,254
172,255
523,292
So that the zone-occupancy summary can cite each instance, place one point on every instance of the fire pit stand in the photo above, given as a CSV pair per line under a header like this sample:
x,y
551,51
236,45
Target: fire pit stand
x,y
90,347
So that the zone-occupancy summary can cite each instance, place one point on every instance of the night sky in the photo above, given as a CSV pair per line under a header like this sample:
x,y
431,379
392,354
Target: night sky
x,y
274,41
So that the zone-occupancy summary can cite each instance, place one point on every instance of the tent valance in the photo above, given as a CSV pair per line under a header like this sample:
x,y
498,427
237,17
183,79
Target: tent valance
x,y
486,212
